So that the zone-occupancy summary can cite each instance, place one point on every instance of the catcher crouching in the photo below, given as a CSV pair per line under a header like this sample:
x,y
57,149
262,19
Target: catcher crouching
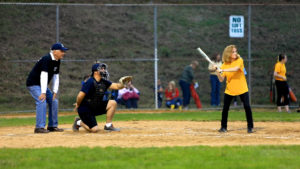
x,y
91,103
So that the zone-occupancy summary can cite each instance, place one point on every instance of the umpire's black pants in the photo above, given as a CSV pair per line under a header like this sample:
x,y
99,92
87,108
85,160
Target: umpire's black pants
x,y
227,101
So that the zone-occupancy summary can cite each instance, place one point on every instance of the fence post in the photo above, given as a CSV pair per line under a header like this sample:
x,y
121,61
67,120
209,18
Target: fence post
x,y
57,23
249,52
155,55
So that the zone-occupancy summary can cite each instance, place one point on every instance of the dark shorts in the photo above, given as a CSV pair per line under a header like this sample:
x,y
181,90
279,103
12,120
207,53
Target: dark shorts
x,y
89,118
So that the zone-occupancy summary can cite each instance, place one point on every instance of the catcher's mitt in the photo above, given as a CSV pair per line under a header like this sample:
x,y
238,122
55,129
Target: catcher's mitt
x,y
124,80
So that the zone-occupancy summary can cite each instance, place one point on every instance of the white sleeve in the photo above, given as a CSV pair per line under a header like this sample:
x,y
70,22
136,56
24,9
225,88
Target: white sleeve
x,y
44,81
55,84
136,90
121,92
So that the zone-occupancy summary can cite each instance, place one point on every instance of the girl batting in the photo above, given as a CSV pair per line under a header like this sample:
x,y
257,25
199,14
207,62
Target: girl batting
x,y
236,85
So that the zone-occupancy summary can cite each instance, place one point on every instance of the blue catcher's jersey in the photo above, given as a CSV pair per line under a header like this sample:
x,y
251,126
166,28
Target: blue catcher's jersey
x,y
95,94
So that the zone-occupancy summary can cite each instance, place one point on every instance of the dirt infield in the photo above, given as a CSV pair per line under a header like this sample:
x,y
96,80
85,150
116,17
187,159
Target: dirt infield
x,y
156,134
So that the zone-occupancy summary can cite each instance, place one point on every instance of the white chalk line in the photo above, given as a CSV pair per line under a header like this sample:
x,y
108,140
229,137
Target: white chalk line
x,y
186,132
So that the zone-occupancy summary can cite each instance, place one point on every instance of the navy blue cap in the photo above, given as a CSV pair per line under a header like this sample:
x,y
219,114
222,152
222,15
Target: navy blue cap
x,y
98,66
95,67
58,46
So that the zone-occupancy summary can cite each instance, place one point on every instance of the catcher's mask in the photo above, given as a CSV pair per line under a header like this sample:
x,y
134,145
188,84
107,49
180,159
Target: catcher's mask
x,y
102,68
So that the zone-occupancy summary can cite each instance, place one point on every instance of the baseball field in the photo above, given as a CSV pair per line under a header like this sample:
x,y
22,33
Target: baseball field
x,y
155,139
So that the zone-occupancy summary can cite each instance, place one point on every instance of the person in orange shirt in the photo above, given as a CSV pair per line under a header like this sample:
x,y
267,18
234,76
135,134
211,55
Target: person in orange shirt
x,y
172,96
236,85
281,83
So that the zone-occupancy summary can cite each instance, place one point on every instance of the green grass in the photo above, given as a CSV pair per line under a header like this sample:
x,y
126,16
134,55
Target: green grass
x,y
180,116
169,157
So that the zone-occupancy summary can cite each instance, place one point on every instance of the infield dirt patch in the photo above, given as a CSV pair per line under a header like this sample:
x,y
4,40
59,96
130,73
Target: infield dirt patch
x,y
156,134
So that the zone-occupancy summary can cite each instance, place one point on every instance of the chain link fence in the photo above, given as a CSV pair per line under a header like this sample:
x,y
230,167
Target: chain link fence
x,y
147,41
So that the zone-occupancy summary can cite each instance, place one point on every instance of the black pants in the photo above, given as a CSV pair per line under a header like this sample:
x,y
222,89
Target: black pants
x,y
88,115
227,101
282,91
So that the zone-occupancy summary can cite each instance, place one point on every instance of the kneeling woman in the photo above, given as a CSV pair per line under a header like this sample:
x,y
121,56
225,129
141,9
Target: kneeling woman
x,y
236,85
172,96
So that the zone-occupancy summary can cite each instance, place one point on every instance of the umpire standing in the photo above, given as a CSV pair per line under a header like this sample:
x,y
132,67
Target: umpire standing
x,y
46,69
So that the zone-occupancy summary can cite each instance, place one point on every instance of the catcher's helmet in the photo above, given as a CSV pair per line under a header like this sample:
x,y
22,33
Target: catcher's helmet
x,y
102,68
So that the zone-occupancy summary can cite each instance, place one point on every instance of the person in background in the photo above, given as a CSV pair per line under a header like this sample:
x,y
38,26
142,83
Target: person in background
x,y
160,91
195,95
186,79
214,81
281,83
235,103
129,96
114,95
172,96
236,85
46,69
85,78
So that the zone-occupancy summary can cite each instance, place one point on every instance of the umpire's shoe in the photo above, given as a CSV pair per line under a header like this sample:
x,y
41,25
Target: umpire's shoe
x,y
55,129
75,125
111,128
40,130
